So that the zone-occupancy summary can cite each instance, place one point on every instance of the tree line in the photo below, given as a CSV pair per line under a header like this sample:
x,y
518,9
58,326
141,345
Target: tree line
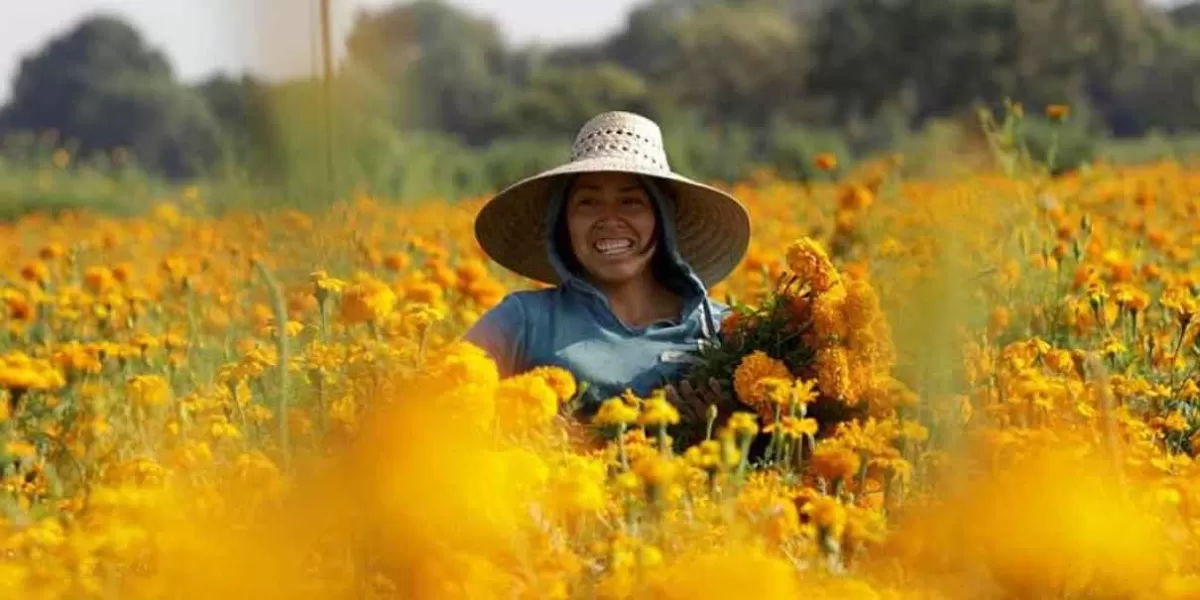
x,y
430,100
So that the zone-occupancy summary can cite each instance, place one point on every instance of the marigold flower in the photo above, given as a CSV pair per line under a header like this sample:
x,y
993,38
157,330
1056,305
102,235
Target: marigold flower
x,y
751,369
98,279
577,485
834,462
148,390
424,291
712,455
655,469
855,197
1179,298
19,306
828,313
19,372
618,410
367,300
772,391
833,372
825,161
794,427
742,424
471,271
35,272
657,411
827,514
1058,112
324,284
999,320
396,261
559,379
808,260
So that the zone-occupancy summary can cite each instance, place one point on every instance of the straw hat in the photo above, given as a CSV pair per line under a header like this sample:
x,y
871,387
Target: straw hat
x,y
712,227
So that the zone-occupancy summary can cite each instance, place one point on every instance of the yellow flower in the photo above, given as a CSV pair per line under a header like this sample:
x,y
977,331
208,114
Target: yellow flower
x,y
722,571
712,455
773,391
618,410
421,315
19,372
324,285
20,449
525,402
827,514
742,424
794,427
657,411
577,485
559,379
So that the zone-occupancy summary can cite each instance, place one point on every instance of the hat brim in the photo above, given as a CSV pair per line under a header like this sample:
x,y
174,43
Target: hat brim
x,y
712,227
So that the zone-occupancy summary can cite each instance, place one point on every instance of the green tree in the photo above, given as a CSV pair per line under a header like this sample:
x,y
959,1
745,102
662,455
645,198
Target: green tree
x,y
743,62
442,68
555,101
100,85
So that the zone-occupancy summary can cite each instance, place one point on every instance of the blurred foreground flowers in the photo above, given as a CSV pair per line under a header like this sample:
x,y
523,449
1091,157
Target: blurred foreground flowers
x,y
990,392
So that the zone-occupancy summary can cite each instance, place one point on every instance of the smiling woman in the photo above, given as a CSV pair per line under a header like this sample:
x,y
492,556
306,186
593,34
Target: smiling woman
x,y
631,249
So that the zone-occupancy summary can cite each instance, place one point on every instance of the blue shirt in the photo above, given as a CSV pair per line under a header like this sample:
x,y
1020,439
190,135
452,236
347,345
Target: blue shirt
x,y
574,327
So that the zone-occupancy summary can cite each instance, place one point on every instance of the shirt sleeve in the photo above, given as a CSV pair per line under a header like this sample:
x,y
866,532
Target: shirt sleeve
x,y
501,333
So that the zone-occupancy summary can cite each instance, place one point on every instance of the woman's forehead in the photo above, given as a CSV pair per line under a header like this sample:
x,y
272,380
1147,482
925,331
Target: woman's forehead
x,y
608,180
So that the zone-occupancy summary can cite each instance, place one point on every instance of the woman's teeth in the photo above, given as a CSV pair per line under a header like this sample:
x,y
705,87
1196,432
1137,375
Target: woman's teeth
x,y
610,247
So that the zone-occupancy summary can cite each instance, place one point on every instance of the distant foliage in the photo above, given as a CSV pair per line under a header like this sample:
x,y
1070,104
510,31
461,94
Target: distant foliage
x,y
430,97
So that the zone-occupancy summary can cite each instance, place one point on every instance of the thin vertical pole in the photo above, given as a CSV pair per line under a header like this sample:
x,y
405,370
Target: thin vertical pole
x,y
327,56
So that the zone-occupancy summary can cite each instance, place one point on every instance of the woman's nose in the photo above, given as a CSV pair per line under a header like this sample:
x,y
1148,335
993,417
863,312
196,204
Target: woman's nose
x,y
609,210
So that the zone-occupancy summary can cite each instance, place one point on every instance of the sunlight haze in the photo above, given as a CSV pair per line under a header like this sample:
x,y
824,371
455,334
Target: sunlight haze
x,y
274,38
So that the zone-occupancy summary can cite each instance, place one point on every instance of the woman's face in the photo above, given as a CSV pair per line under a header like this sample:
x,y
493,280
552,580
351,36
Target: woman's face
x,y
610,218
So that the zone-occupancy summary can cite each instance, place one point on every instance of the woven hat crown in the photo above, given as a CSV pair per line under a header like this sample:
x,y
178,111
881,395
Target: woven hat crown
x,y
622,135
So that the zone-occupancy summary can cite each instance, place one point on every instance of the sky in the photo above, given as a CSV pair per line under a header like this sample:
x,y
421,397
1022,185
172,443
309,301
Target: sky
x,y
272,38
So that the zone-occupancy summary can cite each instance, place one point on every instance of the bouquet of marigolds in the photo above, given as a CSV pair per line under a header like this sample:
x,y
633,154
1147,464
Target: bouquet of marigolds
x,y
817,351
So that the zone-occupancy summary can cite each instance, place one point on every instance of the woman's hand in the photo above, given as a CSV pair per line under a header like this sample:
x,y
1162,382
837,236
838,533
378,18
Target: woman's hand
x,y
693,403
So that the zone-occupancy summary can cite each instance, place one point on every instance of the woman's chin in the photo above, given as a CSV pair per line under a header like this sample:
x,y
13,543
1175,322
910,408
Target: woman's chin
x,y
615,273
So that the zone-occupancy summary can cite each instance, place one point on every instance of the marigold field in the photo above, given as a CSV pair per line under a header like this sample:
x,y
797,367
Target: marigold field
x,y
276,405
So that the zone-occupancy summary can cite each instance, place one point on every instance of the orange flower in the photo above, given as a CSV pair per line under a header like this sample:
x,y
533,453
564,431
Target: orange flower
x,y
753,368
826,161
835,462
808,260
855,198
396,261
833,372
1058,112
367,300
98,278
